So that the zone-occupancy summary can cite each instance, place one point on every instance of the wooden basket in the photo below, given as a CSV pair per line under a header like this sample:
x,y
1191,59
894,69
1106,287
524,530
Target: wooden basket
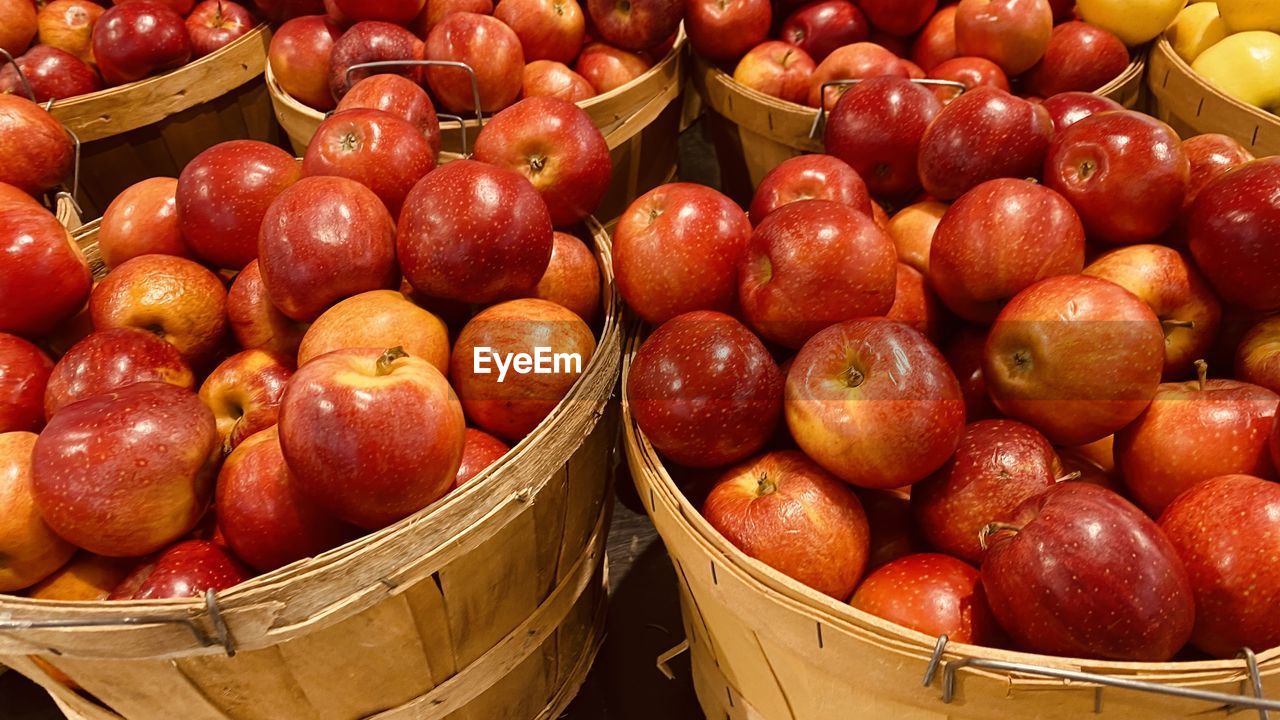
x,y
156,126
1193,106
488,604
640,121
753,132
765,647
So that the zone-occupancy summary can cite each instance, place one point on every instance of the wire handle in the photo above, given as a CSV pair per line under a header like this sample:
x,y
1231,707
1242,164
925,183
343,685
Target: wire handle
x,y
22,77
821,117
475,85
75,139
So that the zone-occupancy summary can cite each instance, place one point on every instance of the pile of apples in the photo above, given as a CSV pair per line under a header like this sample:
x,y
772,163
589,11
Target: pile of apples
x,y
82,46
518,48
307,344
989,416
1234,44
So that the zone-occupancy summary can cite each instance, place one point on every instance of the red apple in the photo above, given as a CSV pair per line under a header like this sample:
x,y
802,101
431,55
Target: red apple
x,y
32,552
677,249
778,69
912,229
186,570
1081,57
437,10
401,97
608,68
24,374
38,153
1014,34
1232,228
479,452
998,239
964,351
20,25
820,27
846,384
51,73
931,593
696,409
915,304
877,127
1258,355
859,61
783,510
635,24
545,78
548,29
1075,356
110,360
375,149
999,464
255,321
809,177
971,72
223,195
244,393
402,430
812,264
1167,281
491,49
299,57
474,232
282,10
182,7
554,144
366,42
138,39
142,220
892,533
392,11
379,318
984,134
1093,463
127,472
936,43
724,30
1079,572
10,195
1211,156
1124,172
44,278
1069,108
174,298
215,24
262,515
900,18
572,279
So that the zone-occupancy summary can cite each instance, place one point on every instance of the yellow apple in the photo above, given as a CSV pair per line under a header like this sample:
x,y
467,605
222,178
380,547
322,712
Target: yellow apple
x,y
1133,21
1245,66
1197,28
1242,15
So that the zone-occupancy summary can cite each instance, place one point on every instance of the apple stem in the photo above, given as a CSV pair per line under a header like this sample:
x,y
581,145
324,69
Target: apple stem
x,y
992,528
1073,475
388,357
765,486
853,377
1202,373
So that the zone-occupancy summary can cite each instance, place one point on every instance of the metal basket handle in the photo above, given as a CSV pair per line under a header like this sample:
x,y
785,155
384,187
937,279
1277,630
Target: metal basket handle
x,y
821,117
475,86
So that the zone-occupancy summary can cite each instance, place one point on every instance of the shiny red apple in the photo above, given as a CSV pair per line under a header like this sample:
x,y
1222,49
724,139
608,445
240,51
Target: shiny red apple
x,y
38,153
809,177
572,279
24,375
402,98
1232,229
255,321
371,41
491,49
393,11
44,278
136,39
1080,57
375,149
215,24
546,78
299,57
635,24
186,570
244,393
820,27
608,68
109,360
1014,34
1258,356
51,73
971,72
877,127
142,220
548,29
931,593
1069,108
936,42
859,61
480,450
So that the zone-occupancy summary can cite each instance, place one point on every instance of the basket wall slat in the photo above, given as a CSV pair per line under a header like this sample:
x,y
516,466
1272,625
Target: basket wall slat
x,y
258,690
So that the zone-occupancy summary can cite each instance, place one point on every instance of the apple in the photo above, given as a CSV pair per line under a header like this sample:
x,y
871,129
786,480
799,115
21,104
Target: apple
x,y
546,78
10,195
108,360
244,393
1133,21
1198,27
215,24
177,299
479,451
877,127
677,249
554,144
375,319
936,42
724,30
255,321
783,510
572,279
998,239
998,465
900,18
809,177
402,430
1124,172
20,25
263,517
1211,156
437,10
697,409
778,69
32,551
223,195
931,593
366,42
299,58
1075,356
392,11
138,39
24,375
86,577
1167,281
1243,66
1014,34
812,264
44,278
52,74
375,149
846,383
1069,108
1194,431
188,569
548,29
474,232
1080,56
820,27
491,49
142,220
964,351
915,304
912,229
892,533
401,97
1232,229
635,24
182,7
38,153
608,68
984,134
282,10
859,61
1245,15
971,72
1093,463
1257,358
1079,572
127,472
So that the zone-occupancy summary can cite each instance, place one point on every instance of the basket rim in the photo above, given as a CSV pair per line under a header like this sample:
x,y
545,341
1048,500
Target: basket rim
x,y
785,591
1164,50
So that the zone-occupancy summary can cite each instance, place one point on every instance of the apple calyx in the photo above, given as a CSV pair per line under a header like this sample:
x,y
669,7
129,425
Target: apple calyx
x,y
1087,168
1202,373
387,358
349,142
623,6
765,486
537,163
990,529
853,377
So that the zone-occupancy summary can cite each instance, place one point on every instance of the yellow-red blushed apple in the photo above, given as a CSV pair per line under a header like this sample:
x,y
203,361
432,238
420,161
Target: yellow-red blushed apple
x,y
379,318
111,359
244,394
32,551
